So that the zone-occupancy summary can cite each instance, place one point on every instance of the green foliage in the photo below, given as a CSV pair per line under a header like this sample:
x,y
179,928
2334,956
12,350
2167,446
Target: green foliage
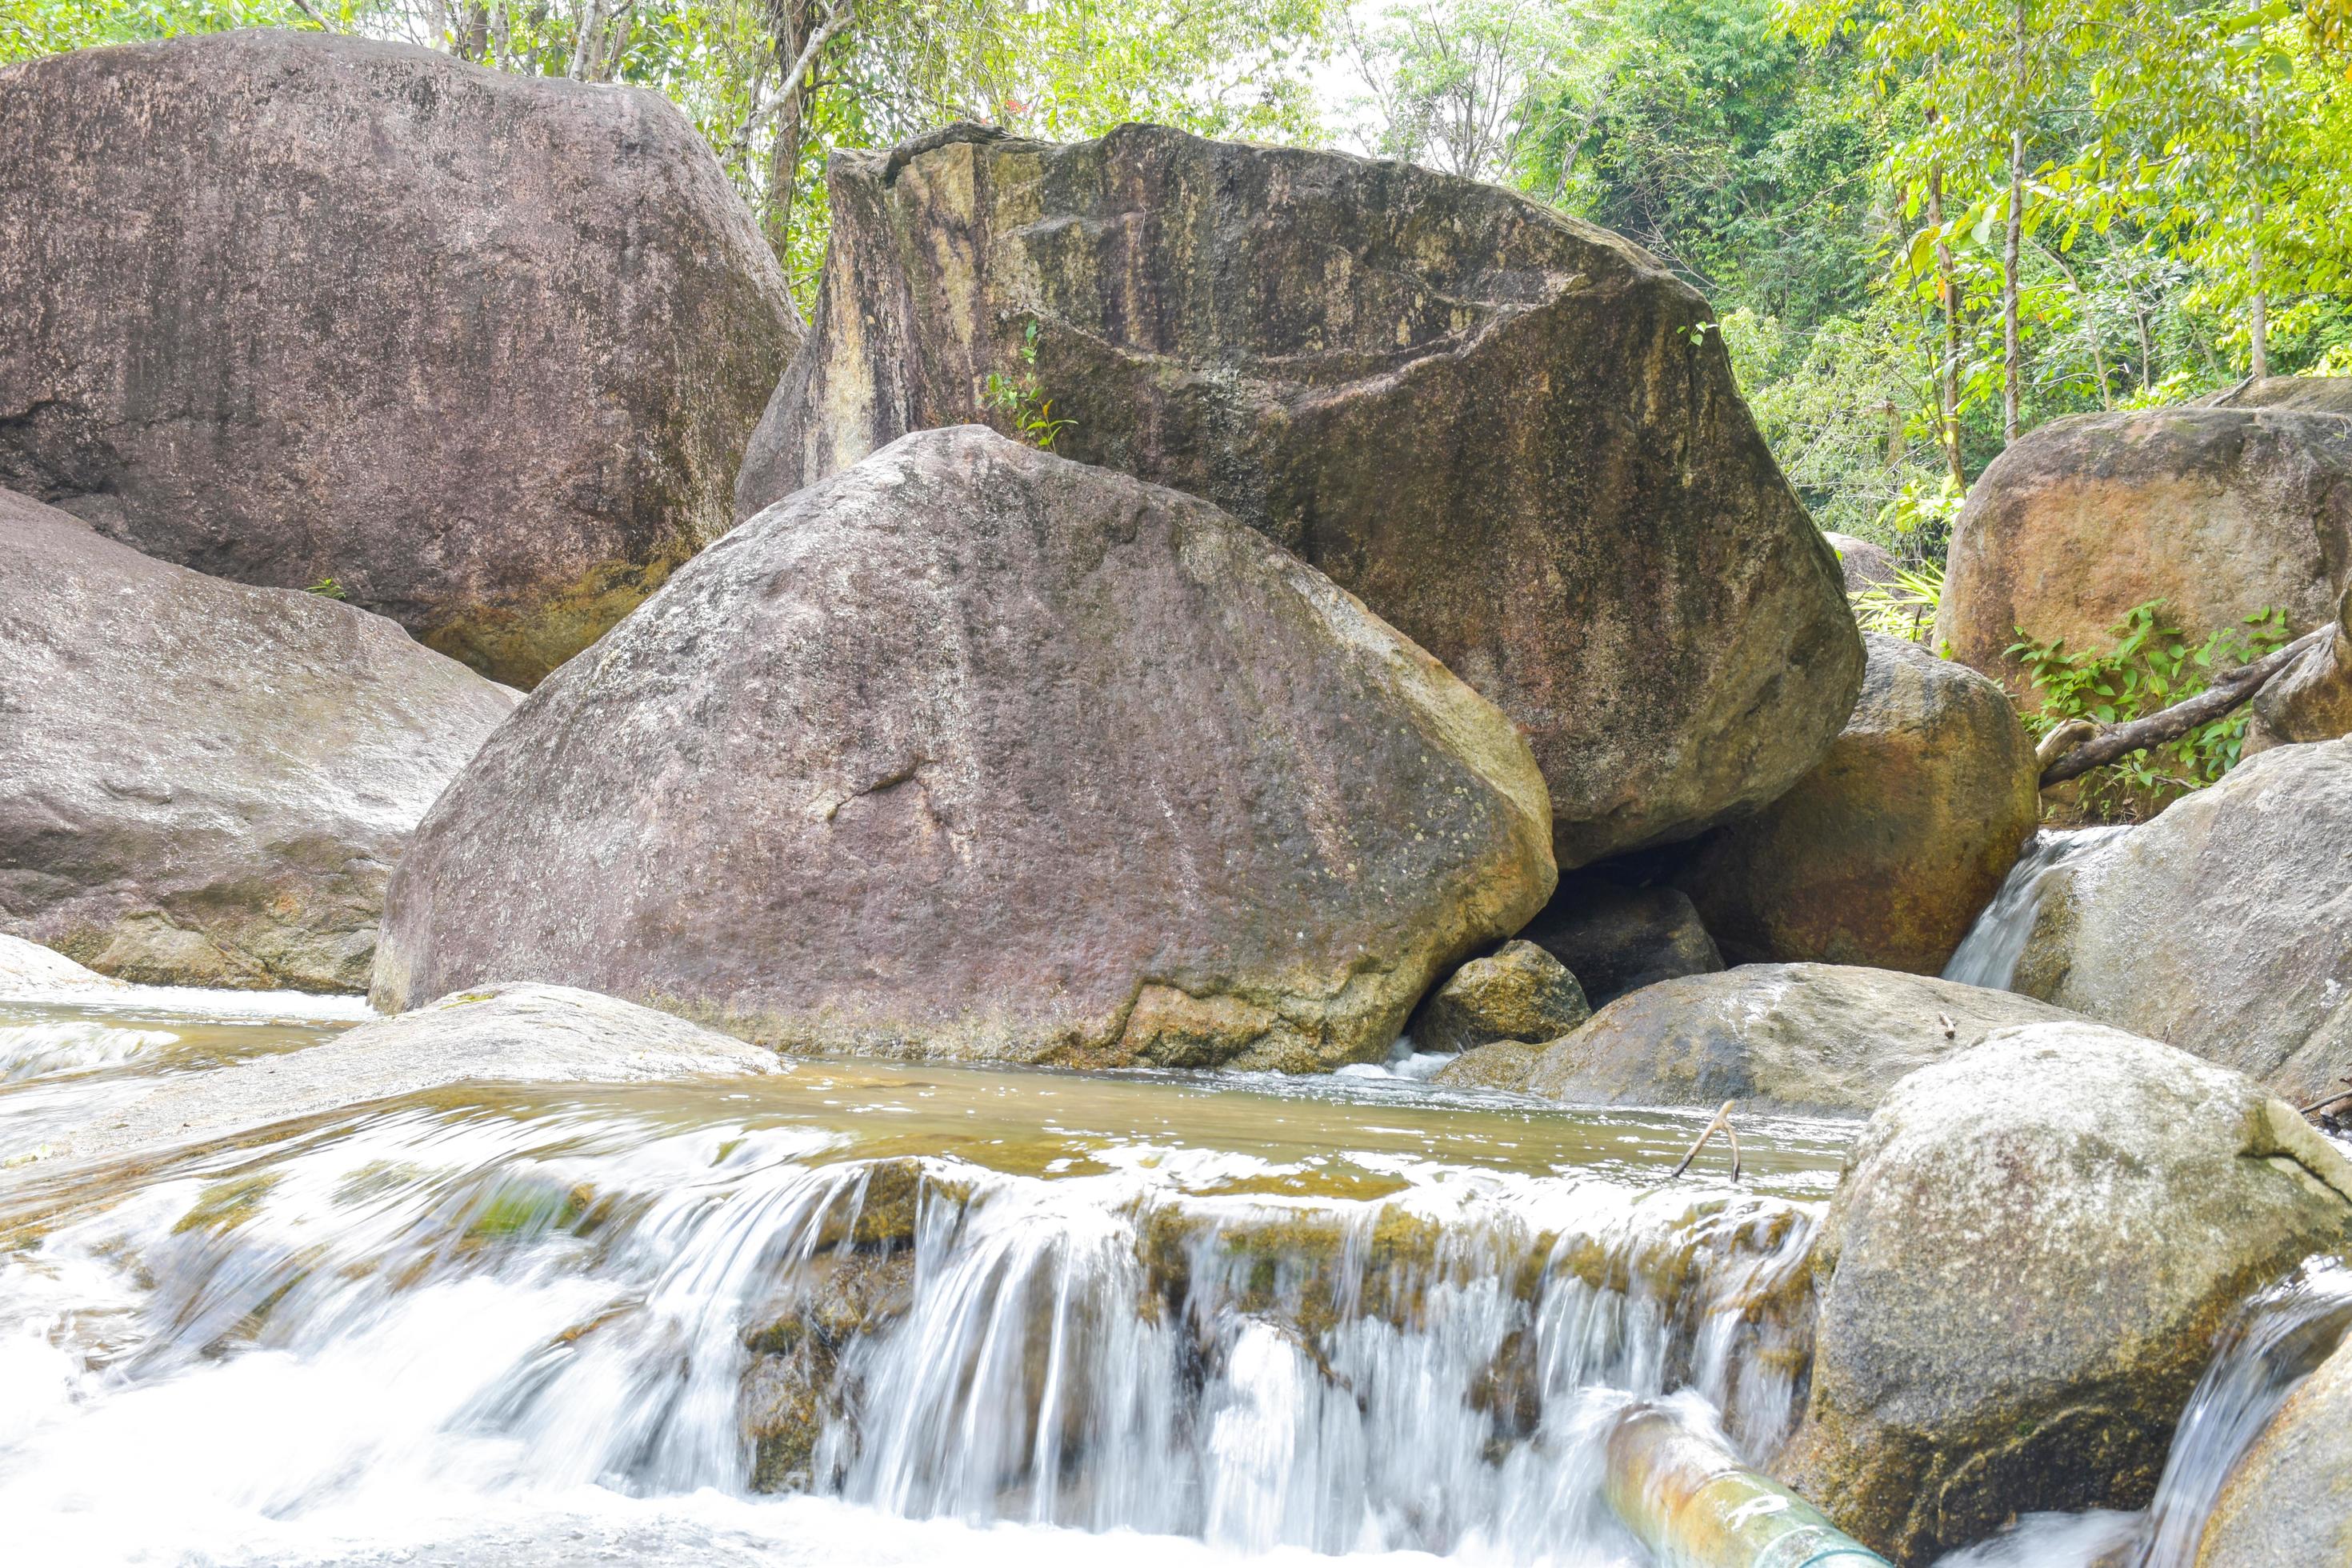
x,y
2151,667
327,588
1021,401
1905,607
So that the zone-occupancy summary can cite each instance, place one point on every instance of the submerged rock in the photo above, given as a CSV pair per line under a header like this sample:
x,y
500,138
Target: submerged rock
x,y
497,1034
1615,939
974,752
1503,1065
2223,926
1888,850
2289,1499
482,349
1518,992
1818,1038
203,783
1497,425
2222,513
2024,1271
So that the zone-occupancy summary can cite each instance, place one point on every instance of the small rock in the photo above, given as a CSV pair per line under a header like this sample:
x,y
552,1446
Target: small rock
x,y
1505,1065
1617,939
1518,992
1865,565
2024,1271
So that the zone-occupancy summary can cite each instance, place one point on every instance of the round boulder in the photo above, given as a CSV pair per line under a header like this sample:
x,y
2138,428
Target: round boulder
x,y
1503,429
2024,1271
974,752
204,784
1888,850
2222,926
1865,564
1518,992
2222,513
1821,1038
482,349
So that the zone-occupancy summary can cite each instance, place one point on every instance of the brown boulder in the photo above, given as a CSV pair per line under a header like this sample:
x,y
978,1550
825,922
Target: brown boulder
x,y
1616,938
483,349
1518,992
204,784
1886,852
2305,393
2024,1272
2222,513
1502,428
971,751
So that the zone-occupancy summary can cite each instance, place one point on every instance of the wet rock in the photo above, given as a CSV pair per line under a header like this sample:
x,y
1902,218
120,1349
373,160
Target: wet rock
x,y
28,969
2289,1500
794,1386
492,373
1503,1065
974,752
2220,512
2024,1271
493,1034
1888,850
2224,926
201,783
1518,992
1493,424
1865,565
1818,1038
1615,939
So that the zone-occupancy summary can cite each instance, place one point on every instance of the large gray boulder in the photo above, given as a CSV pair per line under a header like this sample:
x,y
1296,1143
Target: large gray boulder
x,y
2289,1499
204,784
1885,853
971,751
2223,926
494,1034
1815,1038
2305,393
2024,1271
483,349
2222,513
1502,428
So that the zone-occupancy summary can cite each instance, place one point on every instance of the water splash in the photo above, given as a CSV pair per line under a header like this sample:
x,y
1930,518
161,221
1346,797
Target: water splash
x,y
34,1050
1988,955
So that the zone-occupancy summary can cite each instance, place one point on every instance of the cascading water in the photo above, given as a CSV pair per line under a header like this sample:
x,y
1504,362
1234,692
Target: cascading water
x,y
1988,957
873,1313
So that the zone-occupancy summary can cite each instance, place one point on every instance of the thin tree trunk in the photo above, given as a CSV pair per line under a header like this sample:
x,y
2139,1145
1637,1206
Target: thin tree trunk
x,y
1947,373
2011,346
2258,324
2147,351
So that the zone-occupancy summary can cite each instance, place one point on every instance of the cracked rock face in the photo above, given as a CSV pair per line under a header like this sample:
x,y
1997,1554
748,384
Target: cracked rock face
x,y
483,349
1507,432
2023,1273
204,784
974,752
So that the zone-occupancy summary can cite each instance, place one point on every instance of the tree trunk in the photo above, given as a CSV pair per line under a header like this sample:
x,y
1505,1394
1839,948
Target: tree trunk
x,y
2147,351
790,23
2257,322
1948,374
2012,352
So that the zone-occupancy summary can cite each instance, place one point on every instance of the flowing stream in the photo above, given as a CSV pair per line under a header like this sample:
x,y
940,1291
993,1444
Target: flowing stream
x,y
1988,957
859,1313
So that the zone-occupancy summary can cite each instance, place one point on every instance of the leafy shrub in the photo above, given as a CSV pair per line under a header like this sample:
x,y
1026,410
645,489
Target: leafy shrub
x,y
2151,667
1905,608
1023,402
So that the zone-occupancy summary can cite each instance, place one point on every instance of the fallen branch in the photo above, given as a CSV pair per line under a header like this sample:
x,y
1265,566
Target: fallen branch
x,y
2064,739
1722,1122
2229,691
2338,1097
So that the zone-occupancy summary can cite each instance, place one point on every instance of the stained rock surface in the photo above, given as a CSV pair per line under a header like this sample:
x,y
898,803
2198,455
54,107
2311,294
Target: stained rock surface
x,y
2024,1269
1885,853
483,349
1818,1038
2223,926
202,782
974,752
1501,429
2222,513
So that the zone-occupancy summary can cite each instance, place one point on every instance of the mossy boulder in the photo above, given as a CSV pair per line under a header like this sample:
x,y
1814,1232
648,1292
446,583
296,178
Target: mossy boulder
x,y
1504,430
2024,1271
1885,853
1518,992
482,348
971,751
2223,926
202,782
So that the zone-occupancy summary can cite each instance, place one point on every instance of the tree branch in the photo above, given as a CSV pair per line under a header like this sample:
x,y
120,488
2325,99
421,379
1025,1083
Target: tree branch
x,y
2227,693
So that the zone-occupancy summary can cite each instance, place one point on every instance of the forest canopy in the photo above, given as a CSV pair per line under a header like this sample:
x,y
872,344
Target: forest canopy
x,y
1925,226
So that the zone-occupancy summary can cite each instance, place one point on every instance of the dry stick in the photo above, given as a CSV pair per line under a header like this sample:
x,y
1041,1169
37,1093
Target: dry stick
x,y
1722,1121
2064,739
2324,1102
2228,692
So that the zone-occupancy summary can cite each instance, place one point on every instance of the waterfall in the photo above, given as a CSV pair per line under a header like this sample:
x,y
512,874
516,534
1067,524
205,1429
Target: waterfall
x,y
1988,955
